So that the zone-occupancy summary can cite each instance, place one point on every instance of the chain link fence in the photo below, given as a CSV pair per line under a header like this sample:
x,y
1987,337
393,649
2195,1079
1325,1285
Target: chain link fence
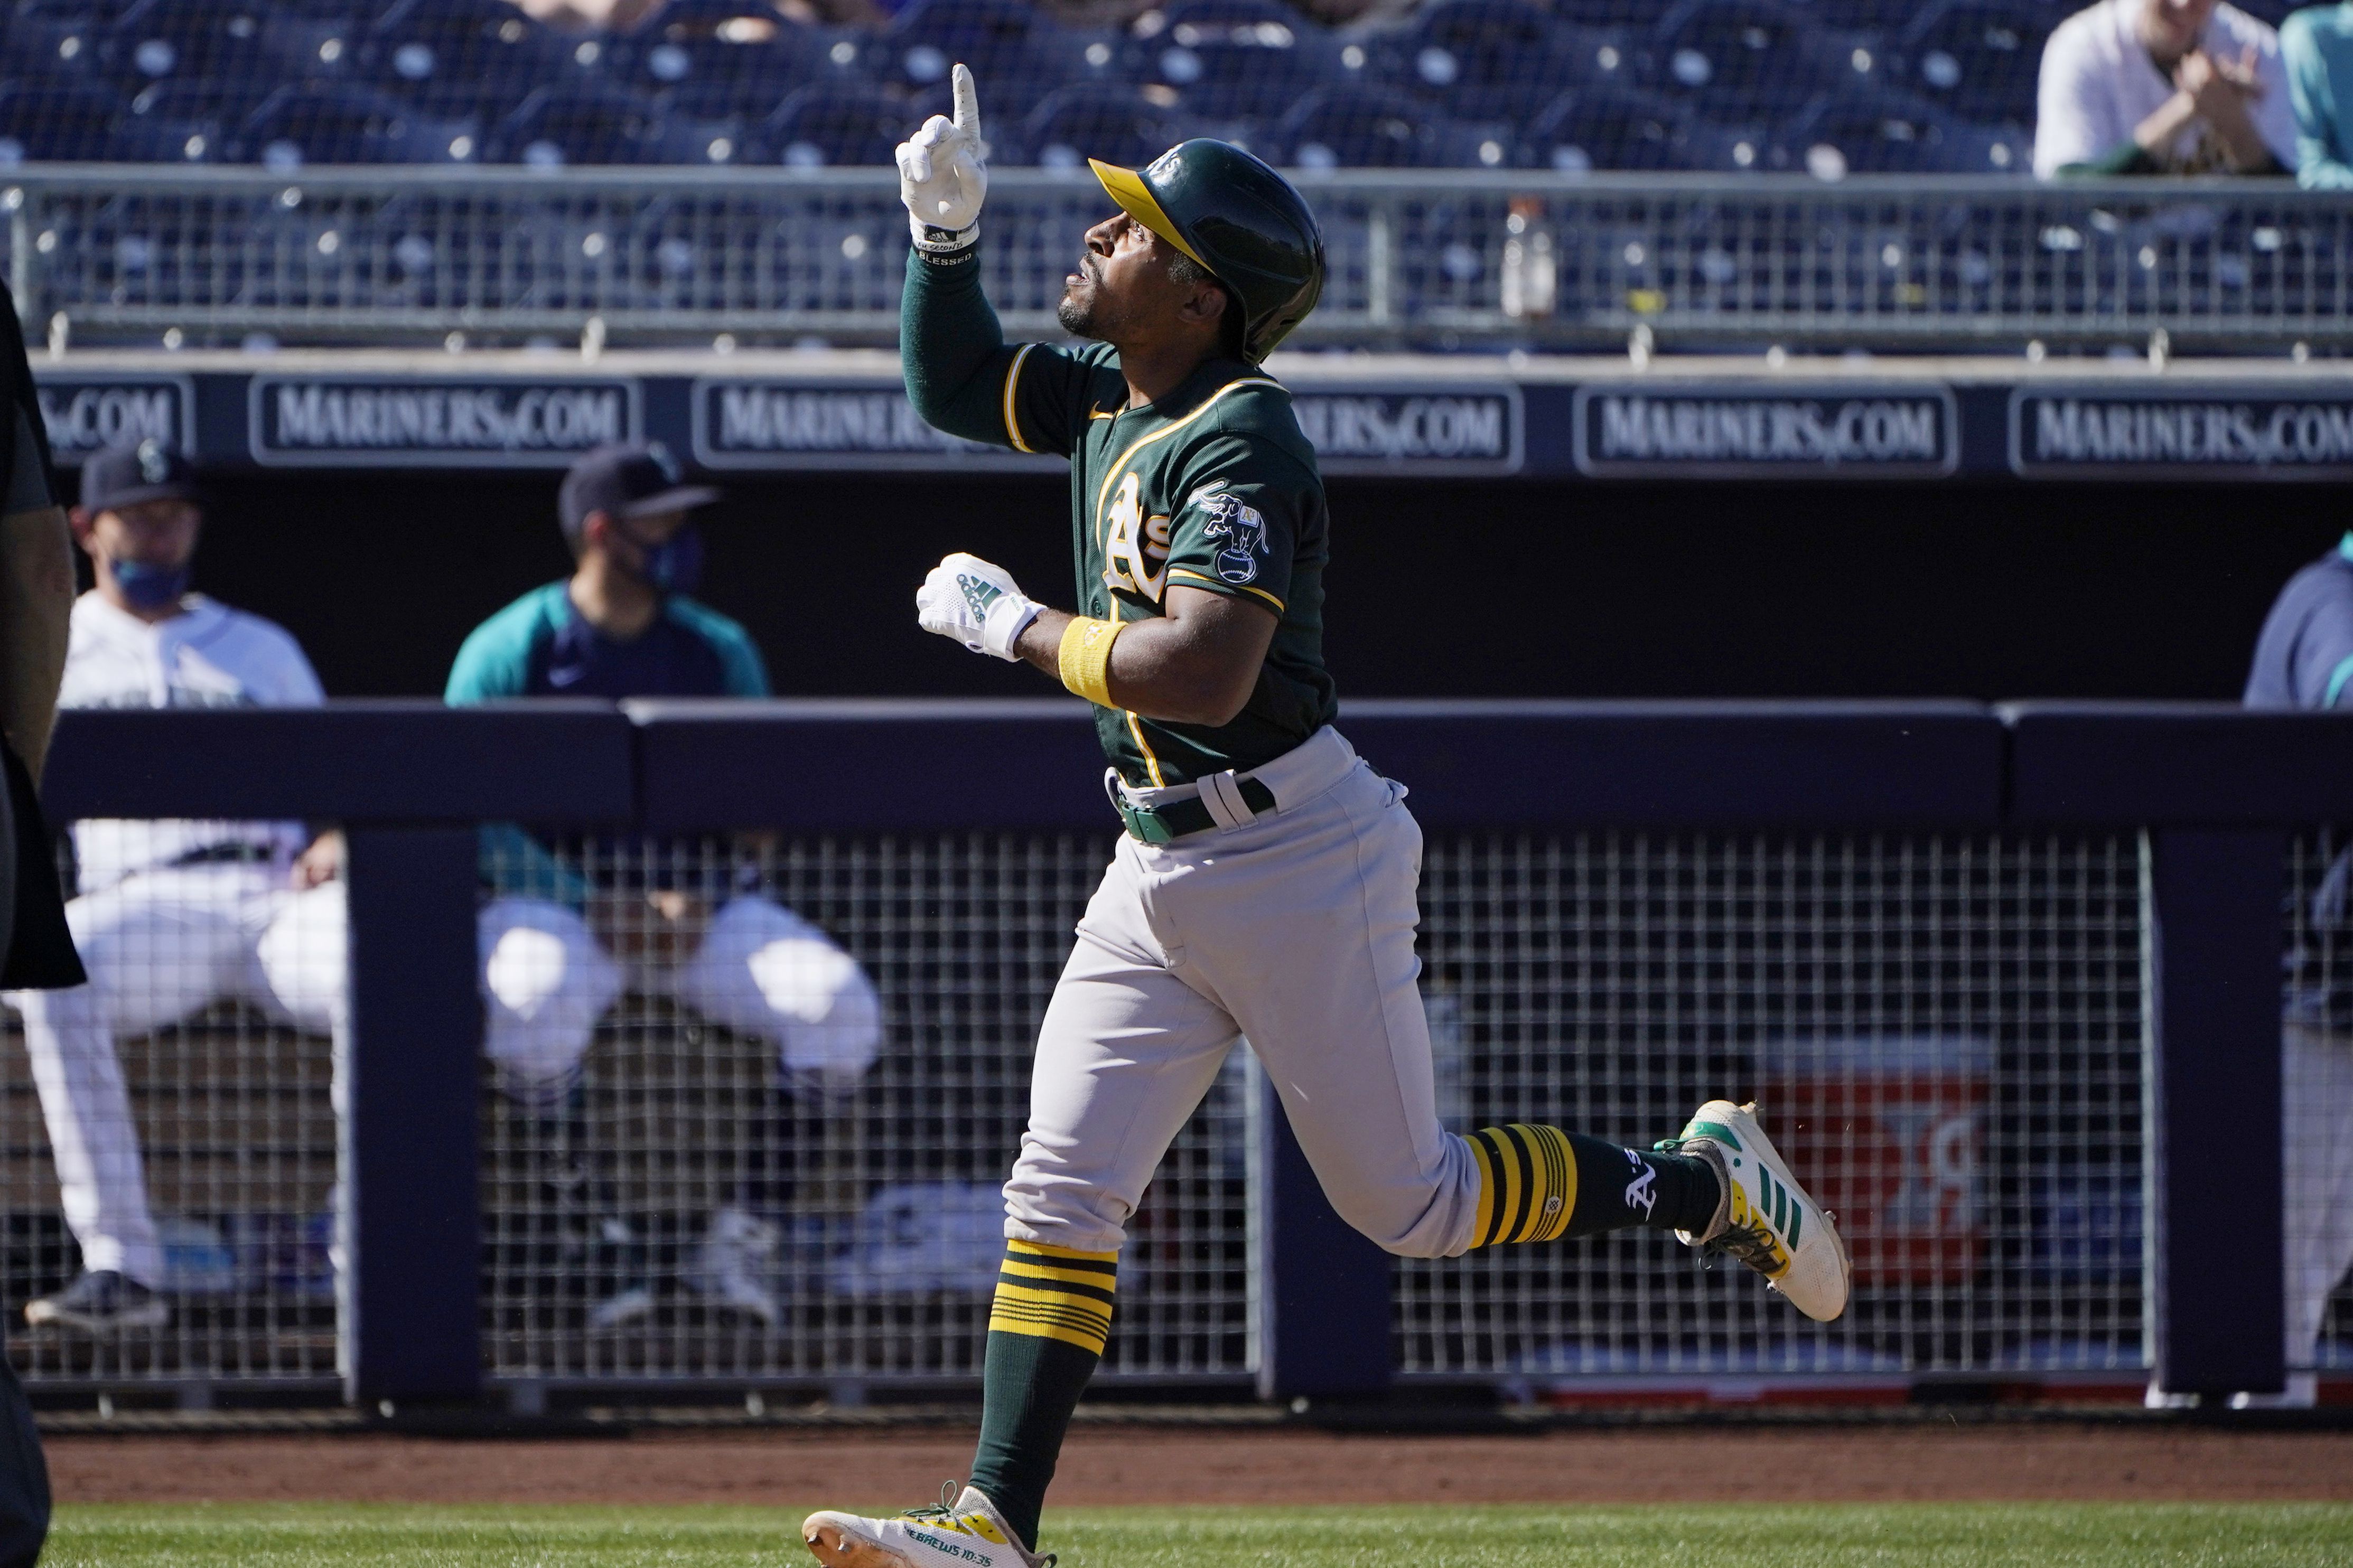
x,y
1945,1033
191,1088
778,1158
472,257
2317,1101
1944,1036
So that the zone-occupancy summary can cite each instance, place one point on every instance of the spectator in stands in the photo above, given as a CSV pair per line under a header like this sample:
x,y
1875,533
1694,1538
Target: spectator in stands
x,y
2163,87
559,917
2316,46
171,915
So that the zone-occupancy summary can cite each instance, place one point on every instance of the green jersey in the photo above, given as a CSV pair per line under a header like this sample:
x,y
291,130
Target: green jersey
x,y
1211,488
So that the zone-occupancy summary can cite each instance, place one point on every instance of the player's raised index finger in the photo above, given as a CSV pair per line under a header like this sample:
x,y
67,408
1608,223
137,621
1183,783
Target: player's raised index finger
x,y
967,101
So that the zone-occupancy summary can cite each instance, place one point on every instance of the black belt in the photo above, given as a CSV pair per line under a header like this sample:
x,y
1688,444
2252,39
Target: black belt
x,y
1160,824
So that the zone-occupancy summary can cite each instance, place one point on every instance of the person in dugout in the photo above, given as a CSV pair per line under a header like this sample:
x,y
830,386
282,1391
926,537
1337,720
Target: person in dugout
x,y
568,926
170,915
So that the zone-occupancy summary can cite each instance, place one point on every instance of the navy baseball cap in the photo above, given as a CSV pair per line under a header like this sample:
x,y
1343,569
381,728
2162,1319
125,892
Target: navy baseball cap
x,y
626,483
125,476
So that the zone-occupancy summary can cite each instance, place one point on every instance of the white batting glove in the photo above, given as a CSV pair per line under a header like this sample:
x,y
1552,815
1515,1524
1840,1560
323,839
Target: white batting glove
x,y
978,605
944,174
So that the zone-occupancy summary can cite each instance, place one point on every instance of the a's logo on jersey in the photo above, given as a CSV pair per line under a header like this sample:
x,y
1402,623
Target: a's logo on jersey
x,y
1240,526
1135,547
154,462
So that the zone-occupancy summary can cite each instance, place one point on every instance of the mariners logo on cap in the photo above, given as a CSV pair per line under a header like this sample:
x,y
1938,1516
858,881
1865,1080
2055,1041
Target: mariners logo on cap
x,y
154,462
666,463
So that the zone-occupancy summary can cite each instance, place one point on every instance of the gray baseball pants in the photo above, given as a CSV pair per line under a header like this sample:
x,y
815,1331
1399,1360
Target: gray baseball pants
x,y
1295,929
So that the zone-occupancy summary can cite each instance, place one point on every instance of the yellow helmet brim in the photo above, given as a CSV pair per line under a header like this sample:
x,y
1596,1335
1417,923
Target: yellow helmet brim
x,y
1135,198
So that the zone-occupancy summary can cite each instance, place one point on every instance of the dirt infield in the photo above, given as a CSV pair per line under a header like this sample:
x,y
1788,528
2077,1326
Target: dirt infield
x,y
1861,1464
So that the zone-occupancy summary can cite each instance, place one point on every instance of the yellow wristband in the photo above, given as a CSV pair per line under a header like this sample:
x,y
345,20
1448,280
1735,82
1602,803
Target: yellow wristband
x,y
1085,658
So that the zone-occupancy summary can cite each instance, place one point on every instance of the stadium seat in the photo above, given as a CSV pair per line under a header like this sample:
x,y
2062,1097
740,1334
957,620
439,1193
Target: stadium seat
x,y
1485,60
314,38
1879,16
334,123
161,38
448,52
1606,12
1232,58
1598,56
1979,59
1097,120
1872,131
591,123
1734,61
50,37
1609,128
720,57
55,121
1369,128
835,124
175,121
1018,56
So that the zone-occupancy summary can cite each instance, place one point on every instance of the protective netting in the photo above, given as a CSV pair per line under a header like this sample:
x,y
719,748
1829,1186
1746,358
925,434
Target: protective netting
x,y
186,1098
1944,1036
2317,1103
717,1183
1581,84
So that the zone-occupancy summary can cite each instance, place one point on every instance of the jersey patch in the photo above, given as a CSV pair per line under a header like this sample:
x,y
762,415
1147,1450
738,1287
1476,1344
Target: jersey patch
x,y
1242,529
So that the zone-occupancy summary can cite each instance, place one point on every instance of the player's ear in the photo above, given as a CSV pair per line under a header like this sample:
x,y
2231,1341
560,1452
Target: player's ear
x,y
1207,304
80,519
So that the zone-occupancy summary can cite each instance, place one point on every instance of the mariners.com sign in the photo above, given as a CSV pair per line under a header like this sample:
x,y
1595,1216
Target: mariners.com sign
x,y
2108,433
350,421
757,424
1713,432
2030,424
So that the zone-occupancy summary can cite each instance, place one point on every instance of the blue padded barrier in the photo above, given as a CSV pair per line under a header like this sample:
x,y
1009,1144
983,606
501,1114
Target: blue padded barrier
x,y
405,760
858,766
2211,763
1688,764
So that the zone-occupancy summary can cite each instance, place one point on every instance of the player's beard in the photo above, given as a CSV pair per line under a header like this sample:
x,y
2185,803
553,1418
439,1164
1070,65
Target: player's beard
x,y
1077,315
1081,311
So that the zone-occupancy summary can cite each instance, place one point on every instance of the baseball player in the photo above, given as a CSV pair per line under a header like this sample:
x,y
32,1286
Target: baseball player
x,y
623,625
171,915
1266,882
2303,659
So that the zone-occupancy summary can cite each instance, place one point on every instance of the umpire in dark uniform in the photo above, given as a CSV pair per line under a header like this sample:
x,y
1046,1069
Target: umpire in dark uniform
x,y
36,591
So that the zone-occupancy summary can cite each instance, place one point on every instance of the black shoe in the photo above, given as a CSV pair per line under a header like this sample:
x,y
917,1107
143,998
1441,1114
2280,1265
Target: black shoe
x,y
102,1301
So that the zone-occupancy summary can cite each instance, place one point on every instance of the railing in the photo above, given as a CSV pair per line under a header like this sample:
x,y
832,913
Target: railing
x,y
1497,259
2007,982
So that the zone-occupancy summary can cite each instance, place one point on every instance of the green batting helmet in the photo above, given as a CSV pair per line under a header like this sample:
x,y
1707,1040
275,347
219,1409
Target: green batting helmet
x,y
1238,219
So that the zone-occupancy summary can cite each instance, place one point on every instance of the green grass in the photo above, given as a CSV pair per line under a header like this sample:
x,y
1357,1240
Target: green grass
x,y
2044,1535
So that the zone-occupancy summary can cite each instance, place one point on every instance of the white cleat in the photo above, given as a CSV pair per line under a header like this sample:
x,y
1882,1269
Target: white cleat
x,y
963,1530
1766,1219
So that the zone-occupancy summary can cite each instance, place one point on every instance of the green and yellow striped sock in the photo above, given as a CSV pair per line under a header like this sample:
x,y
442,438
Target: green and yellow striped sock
x,y
1541,1183
1046,1334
